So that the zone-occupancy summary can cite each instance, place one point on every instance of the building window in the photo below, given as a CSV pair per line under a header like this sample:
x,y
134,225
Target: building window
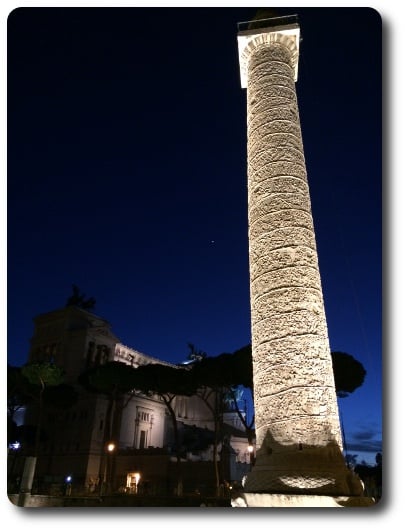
x,y
144,416
142,440
143,428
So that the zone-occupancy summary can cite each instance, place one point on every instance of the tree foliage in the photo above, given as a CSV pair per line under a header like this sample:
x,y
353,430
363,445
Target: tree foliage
x,y
115,381
225,370
62,396
218,381
225,374
40,376
243,366
167,382
111,379
349,373
40,384
17,392
163,380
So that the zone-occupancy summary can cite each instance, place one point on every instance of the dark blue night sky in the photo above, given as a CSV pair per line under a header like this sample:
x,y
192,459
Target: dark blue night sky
x,y
127,177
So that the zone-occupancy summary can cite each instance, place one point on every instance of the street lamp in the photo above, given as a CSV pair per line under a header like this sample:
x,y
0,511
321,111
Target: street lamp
x,y
250,449
68,485
110,448
12,453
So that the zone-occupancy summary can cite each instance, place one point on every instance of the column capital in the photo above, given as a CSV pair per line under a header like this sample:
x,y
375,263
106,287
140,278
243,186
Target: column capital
x,y
282,30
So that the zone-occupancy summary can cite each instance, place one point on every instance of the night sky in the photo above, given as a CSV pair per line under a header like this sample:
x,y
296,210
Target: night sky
x,y
127,176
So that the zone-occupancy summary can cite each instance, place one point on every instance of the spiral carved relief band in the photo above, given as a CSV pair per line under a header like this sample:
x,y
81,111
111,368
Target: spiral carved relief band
x,y
296,415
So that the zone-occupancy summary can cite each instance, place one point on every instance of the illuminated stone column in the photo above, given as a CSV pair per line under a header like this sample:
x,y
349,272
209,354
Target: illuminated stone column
x,y
296,414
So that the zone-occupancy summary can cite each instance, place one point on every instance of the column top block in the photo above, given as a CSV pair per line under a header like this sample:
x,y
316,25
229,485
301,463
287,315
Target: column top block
x,y
284,30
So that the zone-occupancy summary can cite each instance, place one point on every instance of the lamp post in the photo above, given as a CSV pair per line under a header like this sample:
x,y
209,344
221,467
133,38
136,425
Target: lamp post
x,y
68,485
251,457
106,482
13,449
110,450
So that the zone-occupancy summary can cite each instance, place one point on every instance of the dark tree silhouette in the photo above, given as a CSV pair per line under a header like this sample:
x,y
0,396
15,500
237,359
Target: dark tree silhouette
x,y
115,381
23,391
17,395
167,382
40,376
209,376
242,375
371,476
36,378
217,381
62,396
348,372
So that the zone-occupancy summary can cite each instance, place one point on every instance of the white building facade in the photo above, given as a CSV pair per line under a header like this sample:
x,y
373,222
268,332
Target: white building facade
x,y
74,438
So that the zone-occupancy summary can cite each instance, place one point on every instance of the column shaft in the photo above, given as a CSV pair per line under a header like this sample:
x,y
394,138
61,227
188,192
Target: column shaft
x,y
296,414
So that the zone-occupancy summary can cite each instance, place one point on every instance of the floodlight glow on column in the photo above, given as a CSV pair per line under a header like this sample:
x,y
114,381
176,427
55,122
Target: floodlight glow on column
x,y
284,30
298,439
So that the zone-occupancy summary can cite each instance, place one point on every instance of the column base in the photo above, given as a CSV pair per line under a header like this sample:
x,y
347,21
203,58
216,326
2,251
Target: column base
x,y
276,500
302,470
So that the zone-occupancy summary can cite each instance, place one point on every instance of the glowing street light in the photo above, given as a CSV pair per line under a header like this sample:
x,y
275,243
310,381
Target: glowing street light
x,y
250,449
68,487
109,448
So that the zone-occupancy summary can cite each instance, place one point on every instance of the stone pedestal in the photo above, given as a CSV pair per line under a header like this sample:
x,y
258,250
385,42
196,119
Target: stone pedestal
x,y
268,500
302,469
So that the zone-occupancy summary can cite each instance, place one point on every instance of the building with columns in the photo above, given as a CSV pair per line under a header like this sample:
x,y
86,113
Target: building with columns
x,y
73,445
